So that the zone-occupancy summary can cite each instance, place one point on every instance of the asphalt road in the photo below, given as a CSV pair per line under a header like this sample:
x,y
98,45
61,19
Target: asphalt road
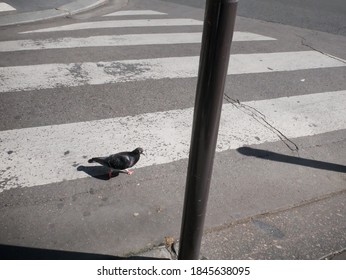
x,y
328,16
67,95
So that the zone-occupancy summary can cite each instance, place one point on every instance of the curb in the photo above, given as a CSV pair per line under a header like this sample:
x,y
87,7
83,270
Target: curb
x,y
340,255
72,8
168,251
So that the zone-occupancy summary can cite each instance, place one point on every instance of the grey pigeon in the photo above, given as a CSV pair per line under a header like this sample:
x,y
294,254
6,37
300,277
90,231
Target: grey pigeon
x,y
119,162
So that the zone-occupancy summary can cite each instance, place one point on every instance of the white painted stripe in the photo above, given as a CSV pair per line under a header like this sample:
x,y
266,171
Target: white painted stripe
x,y
120,23
134,13
118,40
6,7
21,78
49,154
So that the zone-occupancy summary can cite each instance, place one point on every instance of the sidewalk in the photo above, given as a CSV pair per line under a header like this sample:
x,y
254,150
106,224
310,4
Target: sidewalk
x,y
337,256
312,231
72,8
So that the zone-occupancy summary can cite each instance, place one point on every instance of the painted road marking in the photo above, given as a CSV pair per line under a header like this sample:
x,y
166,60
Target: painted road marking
x,y
119,40
20,78
50,154
6,7
134,13
120,23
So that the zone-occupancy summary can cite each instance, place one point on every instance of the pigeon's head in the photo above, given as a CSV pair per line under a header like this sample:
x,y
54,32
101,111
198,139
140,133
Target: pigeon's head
x,y
139,151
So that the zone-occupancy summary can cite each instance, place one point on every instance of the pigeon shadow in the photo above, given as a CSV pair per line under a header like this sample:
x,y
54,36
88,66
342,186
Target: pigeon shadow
x,y
11,252
267,155
98,172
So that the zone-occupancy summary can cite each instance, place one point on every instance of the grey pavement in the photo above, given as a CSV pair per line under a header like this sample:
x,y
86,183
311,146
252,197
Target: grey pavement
x,y
69,8
288,234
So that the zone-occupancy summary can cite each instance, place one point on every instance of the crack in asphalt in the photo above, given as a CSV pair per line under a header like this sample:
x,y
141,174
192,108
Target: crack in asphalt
x,y
303,42
261,119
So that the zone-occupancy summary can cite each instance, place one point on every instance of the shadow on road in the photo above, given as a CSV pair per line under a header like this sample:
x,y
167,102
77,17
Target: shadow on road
x,y
98,172
267,155
11,252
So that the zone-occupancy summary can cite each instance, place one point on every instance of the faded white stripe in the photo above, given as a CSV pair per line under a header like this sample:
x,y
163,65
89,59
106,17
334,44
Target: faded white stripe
x,y
135,13
49,154
120,23
21,78
118,40
6,7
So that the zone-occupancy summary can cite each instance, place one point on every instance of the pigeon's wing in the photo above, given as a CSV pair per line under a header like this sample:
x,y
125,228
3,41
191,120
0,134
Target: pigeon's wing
x,y
131,158
120,161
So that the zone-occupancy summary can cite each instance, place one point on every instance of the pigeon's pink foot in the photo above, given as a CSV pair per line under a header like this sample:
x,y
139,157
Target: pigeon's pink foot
x,y
110,174
129,172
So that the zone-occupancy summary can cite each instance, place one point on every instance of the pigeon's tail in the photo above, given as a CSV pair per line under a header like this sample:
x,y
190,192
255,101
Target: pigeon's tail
x,y
100,160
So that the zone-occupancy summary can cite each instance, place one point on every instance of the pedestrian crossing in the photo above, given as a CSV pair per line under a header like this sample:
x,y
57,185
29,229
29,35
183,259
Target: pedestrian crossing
x,y
51,153
119,40
134,13
20,78
120,24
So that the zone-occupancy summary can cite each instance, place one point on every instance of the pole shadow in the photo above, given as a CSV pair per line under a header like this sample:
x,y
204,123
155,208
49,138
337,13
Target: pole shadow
x,y
267,155
12,252
98,172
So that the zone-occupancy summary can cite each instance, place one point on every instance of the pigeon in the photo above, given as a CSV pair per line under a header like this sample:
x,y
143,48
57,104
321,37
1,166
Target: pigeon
x,y
119,162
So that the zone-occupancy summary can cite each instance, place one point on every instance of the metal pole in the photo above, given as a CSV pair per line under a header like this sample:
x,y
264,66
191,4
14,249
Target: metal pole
x,y
218,29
